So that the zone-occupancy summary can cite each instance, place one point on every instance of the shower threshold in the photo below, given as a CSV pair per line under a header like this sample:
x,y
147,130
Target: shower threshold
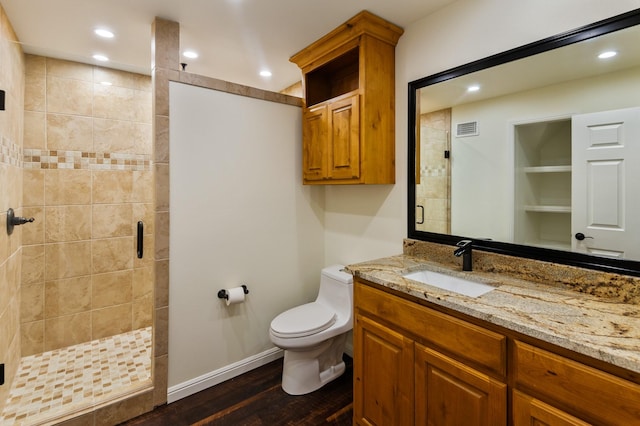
x,y
59,384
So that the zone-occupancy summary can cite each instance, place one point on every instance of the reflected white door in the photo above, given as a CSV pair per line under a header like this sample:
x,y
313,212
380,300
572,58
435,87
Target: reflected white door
x,y
606,183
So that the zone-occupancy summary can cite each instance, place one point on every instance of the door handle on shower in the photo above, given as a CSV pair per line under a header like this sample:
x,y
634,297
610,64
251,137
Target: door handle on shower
x,y
422,210
140,242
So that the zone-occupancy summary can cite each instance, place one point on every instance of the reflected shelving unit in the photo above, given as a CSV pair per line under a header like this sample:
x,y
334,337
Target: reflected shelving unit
x,y
542,155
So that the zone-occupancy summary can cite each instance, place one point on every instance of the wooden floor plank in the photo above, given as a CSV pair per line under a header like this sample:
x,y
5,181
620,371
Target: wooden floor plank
x,y
256,398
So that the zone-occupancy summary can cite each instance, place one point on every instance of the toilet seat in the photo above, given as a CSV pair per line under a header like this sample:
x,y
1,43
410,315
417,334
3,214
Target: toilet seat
x,y
303,320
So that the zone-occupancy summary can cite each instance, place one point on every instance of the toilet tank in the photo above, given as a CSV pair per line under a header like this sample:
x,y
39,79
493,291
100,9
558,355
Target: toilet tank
x,y
336,290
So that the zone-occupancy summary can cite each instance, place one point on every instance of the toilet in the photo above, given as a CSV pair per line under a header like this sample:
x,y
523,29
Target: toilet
x,y
314,335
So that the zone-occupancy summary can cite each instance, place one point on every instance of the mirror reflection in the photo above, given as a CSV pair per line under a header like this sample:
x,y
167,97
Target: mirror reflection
x,y
543,151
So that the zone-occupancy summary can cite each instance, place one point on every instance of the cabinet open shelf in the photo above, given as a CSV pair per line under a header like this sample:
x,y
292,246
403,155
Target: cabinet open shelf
x,y
547,209
333,79
553,245
548,169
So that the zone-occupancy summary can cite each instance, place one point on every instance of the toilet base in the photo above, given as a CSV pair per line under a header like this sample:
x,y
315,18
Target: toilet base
x,y
308,370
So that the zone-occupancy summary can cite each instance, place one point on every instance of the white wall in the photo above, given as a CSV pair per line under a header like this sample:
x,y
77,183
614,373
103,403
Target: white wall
x,y
239,215
364,223
480,163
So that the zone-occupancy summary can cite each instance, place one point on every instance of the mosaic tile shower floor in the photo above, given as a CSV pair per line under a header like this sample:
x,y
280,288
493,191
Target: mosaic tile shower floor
x,y
53,384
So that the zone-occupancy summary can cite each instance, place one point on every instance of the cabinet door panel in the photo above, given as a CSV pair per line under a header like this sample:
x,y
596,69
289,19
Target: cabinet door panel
x,y
344,142
383,375
528,411
576,387
314,135
450,393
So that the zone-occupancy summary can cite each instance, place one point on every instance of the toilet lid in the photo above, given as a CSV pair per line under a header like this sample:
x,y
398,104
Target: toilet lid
x,y
303,320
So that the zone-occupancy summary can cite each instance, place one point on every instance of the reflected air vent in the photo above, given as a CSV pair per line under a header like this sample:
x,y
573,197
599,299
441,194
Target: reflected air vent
x,y
467,129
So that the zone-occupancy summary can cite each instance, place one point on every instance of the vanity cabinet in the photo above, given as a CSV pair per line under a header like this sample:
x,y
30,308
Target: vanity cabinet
x,y
414,365
349,93
543,184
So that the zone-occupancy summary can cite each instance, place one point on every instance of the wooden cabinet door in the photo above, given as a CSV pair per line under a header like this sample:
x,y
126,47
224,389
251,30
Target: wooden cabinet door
x,y
448,392
586,391
344,138
314,137
528,411
383,375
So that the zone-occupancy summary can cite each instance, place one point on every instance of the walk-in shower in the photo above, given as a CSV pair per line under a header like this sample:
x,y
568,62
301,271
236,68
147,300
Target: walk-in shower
x,y
81,284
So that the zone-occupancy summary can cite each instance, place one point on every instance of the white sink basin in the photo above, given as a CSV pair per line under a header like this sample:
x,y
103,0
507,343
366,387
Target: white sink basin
x,y
450,283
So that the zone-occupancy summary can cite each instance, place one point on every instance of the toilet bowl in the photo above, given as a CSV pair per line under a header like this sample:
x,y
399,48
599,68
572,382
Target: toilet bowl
x,y
314,335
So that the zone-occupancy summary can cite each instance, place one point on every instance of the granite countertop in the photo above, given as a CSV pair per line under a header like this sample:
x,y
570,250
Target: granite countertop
x,y
602,328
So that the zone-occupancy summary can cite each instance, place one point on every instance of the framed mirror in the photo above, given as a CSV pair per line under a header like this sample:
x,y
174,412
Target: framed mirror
x,y
534,152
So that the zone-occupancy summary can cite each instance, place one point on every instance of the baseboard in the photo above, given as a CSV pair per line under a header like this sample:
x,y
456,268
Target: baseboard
x,y
348,349
220,375
349,346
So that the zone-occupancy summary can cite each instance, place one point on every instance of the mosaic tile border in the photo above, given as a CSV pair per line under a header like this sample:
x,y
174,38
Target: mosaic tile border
x,y
56,383
83,160
10,153
433,171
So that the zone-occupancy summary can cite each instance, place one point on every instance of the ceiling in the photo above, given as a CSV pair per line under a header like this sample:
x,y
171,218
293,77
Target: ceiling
x,y
569,63
235,39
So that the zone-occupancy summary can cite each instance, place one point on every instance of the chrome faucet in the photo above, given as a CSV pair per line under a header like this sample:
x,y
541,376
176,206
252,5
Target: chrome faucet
x,y
464,250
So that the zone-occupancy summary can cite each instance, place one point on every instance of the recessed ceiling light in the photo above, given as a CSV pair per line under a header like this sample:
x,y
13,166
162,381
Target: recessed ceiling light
x,y
607,54
265,73
100,58
106,83
473,88
189,54
103,33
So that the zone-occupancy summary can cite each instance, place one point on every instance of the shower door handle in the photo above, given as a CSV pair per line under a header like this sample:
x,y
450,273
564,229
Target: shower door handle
x,y
422,210
140,242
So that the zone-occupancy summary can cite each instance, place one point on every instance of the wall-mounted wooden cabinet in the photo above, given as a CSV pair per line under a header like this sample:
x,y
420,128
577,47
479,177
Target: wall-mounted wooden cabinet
x,y
349,92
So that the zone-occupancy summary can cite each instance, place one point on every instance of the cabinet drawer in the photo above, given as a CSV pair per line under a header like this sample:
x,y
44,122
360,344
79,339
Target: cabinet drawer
x,y
475,345
596,396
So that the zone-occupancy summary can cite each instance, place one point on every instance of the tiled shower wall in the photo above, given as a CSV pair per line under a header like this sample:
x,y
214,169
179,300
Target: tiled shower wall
x,y
12,82
87,182
433,191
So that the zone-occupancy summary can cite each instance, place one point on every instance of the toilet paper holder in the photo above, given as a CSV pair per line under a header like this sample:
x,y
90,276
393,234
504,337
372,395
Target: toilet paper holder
x,y
222,294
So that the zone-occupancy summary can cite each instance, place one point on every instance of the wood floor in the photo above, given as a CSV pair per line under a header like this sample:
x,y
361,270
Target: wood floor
x,y
256,398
